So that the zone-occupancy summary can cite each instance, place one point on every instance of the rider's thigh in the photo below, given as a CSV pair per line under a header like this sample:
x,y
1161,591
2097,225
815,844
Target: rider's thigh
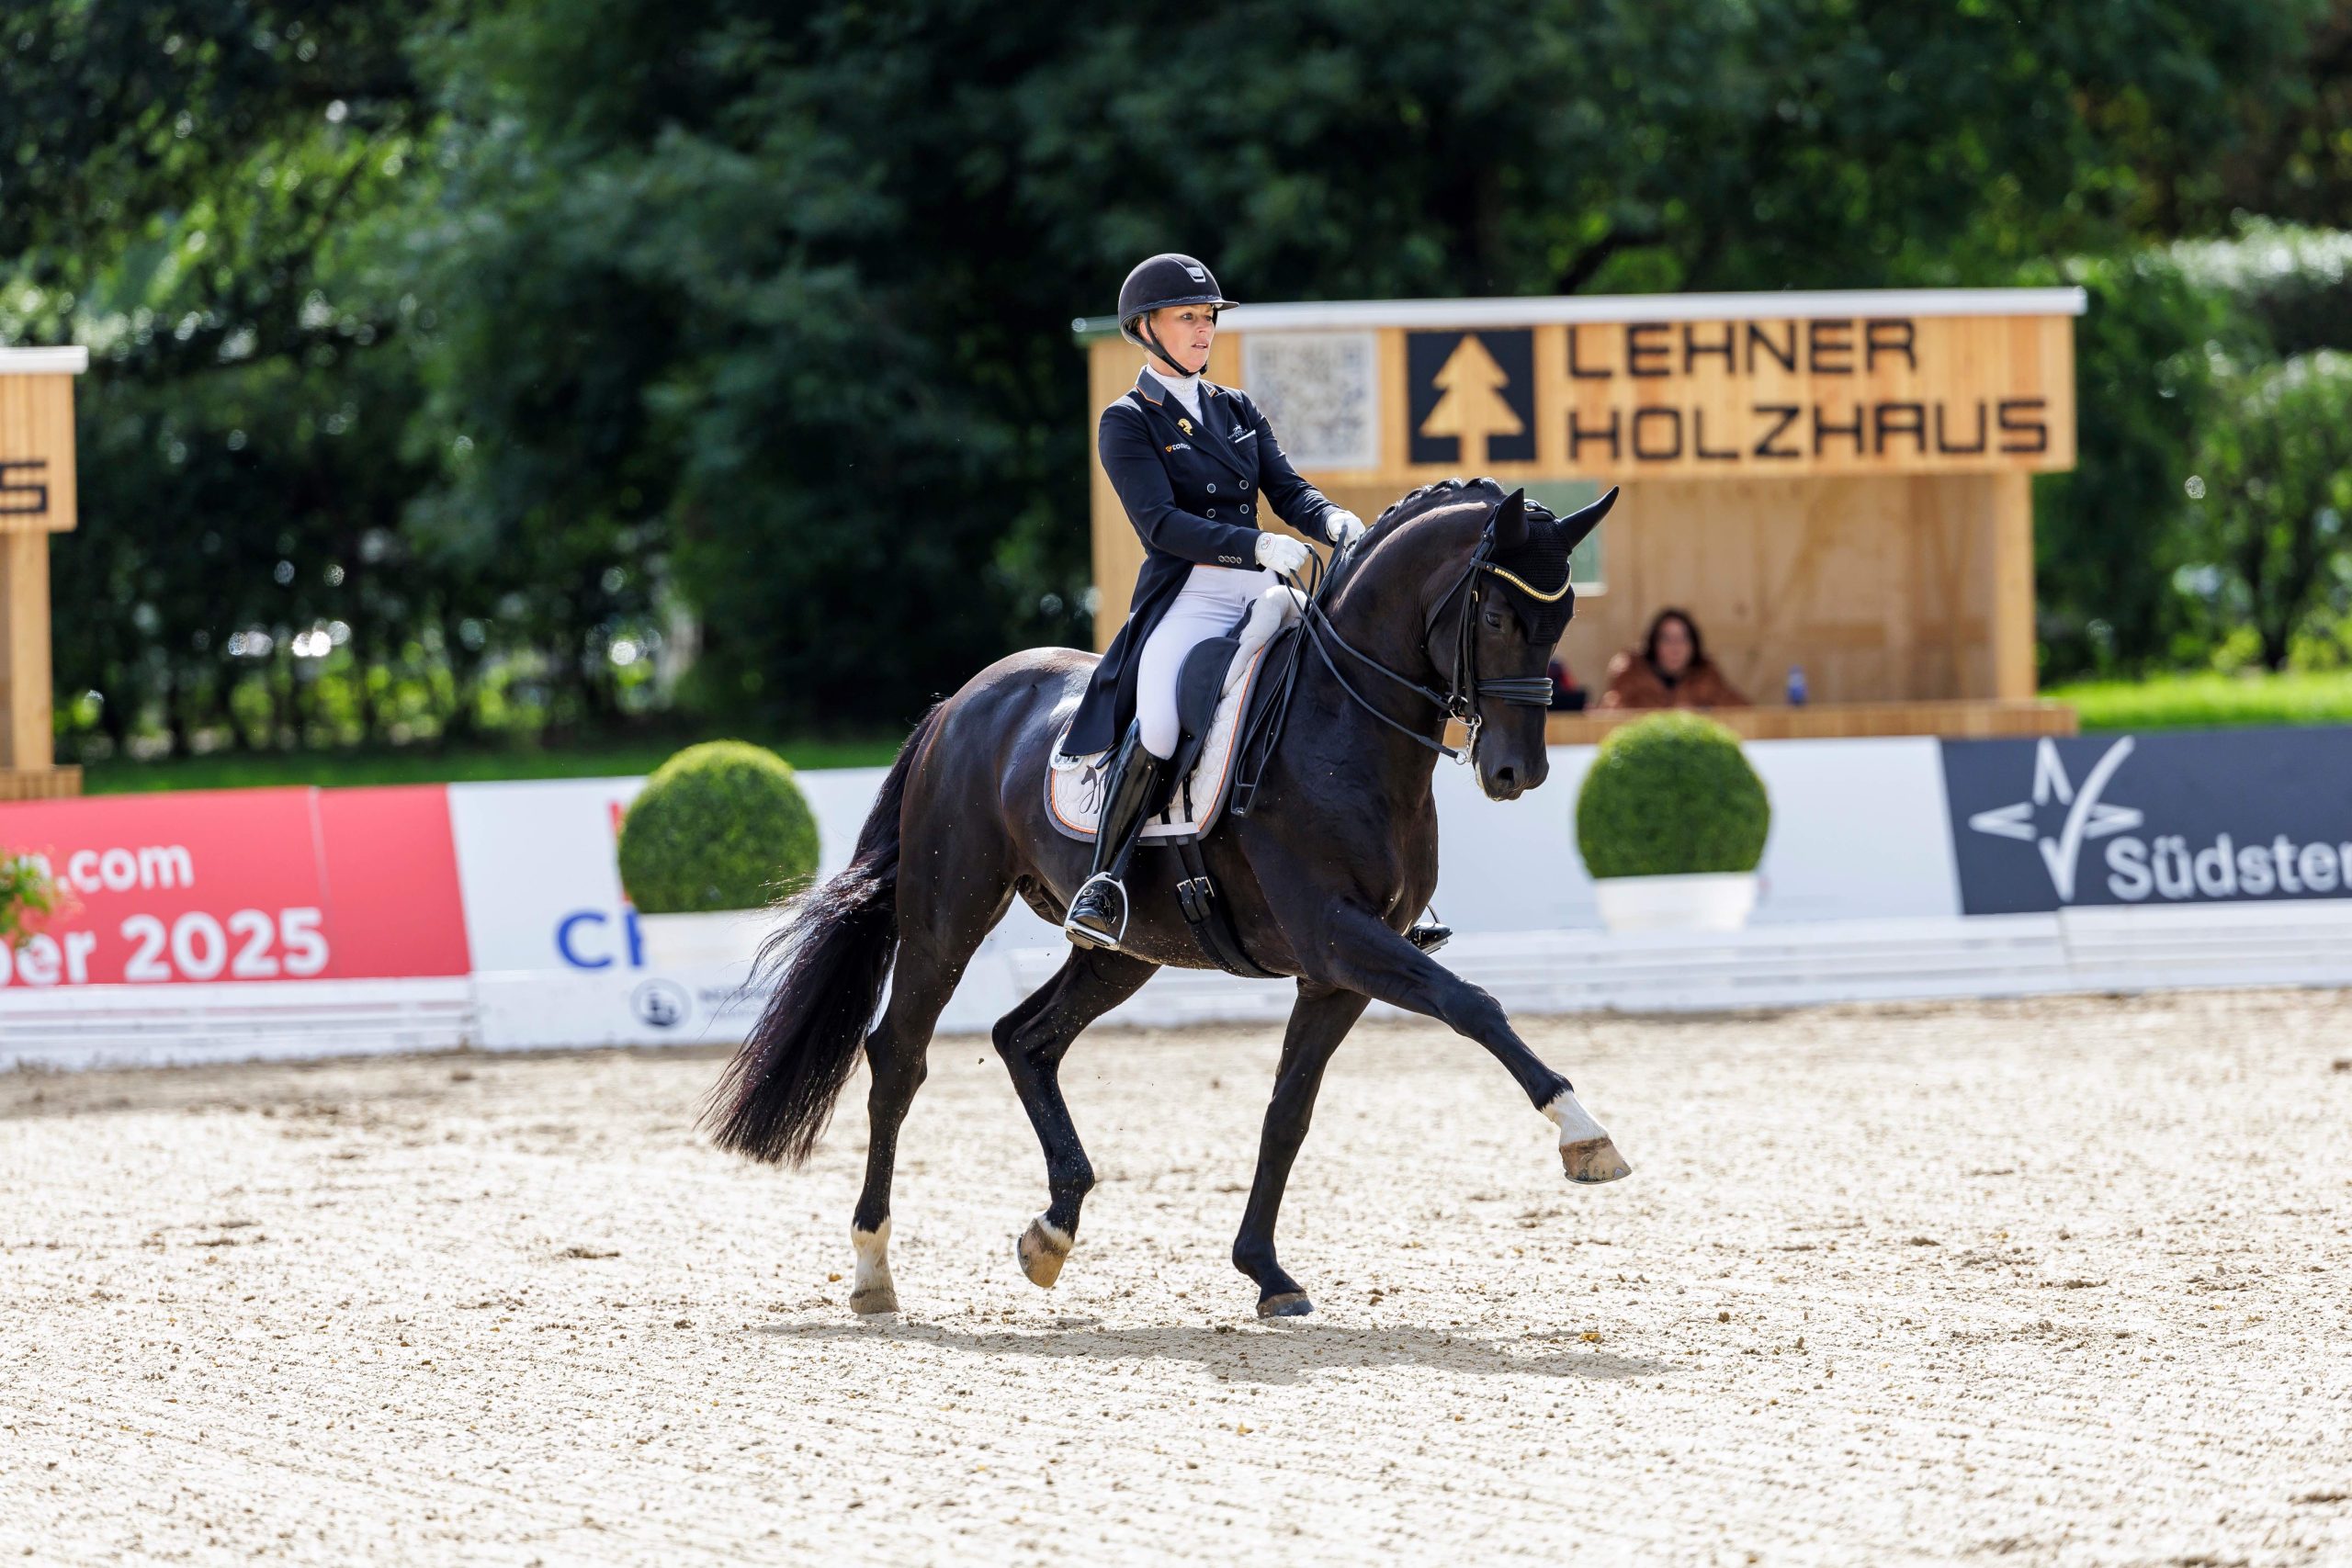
x,y
1191,620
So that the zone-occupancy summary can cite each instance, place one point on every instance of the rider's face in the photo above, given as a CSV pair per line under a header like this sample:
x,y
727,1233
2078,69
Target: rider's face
x,y
1185,331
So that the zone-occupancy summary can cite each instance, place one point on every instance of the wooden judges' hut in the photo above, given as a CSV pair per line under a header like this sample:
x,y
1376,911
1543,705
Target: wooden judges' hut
x,y
1840,482
37,500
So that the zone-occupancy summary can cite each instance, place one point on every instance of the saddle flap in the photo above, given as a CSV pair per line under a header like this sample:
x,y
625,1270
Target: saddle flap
x,y
1199,684
1215,684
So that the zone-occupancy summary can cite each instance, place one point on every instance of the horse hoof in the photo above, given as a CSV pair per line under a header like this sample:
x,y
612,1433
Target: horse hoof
x,y
872,1301
1290,1303
1594,1160
1042,1250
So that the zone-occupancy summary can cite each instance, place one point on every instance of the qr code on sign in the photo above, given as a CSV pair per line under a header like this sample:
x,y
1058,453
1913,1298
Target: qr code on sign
x,y
1319,391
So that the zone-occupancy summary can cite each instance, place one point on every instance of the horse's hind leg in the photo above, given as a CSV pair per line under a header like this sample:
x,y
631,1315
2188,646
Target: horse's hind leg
x,y
1318,1024
895,1050
1033,1038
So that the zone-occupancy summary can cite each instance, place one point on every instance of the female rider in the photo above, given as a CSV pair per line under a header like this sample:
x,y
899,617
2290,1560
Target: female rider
x,y
1198,469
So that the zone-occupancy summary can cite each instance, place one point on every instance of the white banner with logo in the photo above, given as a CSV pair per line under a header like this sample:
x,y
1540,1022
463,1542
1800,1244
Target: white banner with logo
x,y
492,915
2255,816
1857,834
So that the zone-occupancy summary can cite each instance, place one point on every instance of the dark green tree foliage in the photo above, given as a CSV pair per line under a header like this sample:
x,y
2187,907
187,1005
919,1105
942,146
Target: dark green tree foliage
x,y
789,290
1669,795
2293,160
206,193
719,826
2149,354
2276,491
2131,573
2289,283
769,304
176,181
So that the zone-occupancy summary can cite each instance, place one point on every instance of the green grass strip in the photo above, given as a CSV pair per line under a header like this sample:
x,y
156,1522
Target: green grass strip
x,y
2210,700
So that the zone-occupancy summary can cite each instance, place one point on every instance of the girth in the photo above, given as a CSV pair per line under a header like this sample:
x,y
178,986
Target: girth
x,y
1205,911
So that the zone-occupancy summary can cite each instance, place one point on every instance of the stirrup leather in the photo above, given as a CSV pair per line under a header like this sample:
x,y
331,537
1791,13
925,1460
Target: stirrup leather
x,y
1092,894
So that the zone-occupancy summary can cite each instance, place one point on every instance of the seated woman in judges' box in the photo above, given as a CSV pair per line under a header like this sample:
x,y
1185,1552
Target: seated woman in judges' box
x,y
1668,670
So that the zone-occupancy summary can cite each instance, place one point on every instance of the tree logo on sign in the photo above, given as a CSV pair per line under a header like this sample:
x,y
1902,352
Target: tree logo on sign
x,y
1473,402
1470,405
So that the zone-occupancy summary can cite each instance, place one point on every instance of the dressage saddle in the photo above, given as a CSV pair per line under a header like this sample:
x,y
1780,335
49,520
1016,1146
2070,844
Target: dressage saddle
x,y
1200,687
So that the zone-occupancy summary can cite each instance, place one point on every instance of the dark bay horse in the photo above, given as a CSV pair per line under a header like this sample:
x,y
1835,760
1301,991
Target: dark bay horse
x,y
1454,598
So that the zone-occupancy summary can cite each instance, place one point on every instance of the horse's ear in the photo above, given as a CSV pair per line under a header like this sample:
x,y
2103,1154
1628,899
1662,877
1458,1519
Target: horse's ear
x,y
1510,524
1583,521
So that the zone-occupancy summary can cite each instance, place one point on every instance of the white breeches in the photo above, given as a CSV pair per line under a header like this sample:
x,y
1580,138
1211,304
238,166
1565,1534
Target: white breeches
x,y
1210,602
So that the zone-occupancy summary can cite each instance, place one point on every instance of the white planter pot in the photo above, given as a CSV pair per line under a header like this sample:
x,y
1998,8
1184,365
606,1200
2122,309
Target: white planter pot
x,y
1705,901
724,939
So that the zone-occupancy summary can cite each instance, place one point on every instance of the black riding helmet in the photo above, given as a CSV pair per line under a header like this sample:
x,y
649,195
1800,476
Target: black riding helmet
x,y
1157,283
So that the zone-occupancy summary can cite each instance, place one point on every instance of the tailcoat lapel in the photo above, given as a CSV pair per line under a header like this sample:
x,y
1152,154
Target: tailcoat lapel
x,y
1208,434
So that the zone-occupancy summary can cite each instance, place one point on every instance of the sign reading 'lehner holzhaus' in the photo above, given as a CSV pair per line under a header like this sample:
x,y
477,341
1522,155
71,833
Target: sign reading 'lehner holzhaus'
x,y
1822,393
1755,396
1760,385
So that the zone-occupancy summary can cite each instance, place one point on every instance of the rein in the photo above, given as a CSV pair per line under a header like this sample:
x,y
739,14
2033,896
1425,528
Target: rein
x,y
1458,701
1464,688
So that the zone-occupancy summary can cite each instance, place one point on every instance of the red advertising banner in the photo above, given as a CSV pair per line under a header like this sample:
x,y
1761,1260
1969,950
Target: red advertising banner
x,y
241,886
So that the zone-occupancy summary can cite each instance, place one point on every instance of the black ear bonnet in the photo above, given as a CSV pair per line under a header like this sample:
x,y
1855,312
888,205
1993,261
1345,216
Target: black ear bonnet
x,y
1530,562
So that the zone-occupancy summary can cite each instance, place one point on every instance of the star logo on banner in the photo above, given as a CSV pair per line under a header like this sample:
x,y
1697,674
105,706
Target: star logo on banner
x,y
2078,815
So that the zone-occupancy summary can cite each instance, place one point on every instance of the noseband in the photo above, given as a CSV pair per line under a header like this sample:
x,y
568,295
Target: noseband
x,y
1463,689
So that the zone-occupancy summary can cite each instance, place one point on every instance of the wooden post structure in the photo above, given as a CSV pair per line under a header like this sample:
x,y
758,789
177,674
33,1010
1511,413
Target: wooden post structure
x,y
37,500
1836,481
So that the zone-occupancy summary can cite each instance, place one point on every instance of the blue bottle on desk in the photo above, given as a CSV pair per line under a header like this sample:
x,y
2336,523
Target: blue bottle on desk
x,y
1796,685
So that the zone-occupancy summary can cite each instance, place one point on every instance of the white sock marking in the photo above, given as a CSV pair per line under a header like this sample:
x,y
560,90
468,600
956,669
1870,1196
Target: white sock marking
x,y
1575,1123
873,1256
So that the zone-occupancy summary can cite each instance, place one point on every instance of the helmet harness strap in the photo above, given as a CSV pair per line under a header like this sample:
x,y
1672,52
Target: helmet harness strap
x,y
1151,342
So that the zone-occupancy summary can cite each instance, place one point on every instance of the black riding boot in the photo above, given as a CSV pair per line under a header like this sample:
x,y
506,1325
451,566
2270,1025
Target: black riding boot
x,y
1098,916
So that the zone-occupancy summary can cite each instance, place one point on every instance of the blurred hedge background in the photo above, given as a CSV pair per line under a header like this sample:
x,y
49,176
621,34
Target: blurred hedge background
x,y
588,367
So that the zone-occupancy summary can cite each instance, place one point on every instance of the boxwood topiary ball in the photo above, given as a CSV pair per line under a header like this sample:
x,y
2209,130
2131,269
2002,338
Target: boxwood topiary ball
x,y
1669,795
720,825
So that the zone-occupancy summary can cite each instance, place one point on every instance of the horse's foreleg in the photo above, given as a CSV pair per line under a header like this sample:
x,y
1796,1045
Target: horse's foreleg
x,y
1318,1024
1361,953
1033,1039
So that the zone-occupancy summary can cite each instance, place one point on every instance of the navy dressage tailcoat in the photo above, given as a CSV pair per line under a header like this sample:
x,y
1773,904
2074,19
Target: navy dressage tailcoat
x,y
1198,491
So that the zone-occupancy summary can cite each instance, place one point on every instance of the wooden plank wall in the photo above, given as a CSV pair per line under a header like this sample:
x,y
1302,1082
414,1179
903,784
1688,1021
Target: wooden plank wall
x,y
40,783
1883,590
1843,721
26,742
35,427
37,422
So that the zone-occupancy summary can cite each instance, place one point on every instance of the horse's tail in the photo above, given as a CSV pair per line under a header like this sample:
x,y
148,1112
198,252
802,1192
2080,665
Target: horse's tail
x,y
829,962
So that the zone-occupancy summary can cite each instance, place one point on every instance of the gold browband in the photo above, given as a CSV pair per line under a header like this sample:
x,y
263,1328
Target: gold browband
x,y
1528,588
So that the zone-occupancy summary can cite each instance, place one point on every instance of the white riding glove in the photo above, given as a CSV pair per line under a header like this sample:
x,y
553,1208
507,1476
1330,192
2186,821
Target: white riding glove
x,y
1346,528
1281,553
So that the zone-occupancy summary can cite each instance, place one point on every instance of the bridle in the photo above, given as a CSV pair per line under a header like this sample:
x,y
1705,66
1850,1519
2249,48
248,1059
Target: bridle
x,y
1464,691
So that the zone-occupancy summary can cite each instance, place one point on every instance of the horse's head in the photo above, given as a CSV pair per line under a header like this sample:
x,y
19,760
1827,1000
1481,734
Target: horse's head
x,y
1487,575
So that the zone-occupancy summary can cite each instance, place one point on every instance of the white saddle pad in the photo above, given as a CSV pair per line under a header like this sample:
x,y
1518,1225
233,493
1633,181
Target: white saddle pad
x,y
1074,786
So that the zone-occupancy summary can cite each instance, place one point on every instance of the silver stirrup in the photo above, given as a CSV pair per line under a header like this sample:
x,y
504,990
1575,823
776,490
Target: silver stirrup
x,y
1087,936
